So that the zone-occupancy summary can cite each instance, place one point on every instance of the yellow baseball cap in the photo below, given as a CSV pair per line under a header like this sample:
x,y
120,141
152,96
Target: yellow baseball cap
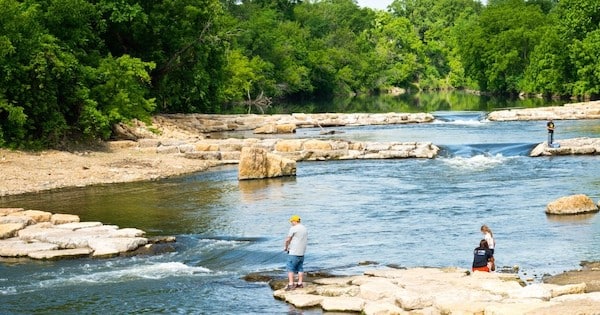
x,y
295,218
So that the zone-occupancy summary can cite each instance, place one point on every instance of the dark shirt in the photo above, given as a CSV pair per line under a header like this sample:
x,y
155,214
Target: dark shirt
x,y
550,127
481,257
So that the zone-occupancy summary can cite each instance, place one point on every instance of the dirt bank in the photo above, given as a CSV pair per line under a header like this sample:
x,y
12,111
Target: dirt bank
x,y
24,172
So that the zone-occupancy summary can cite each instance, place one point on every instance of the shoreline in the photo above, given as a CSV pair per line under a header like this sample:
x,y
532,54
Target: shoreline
x,y
176,145
58,169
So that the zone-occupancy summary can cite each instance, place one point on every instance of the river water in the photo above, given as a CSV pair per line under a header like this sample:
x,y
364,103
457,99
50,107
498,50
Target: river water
x,y
411,212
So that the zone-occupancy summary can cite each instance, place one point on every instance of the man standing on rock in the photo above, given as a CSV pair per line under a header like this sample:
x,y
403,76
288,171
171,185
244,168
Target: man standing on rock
x,y
295,245
550,127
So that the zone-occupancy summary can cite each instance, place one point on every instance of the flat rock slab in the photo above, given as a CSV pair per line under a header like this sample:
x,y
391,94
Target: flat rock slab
x,y
61,253
78,225
5,211
439,291
43,235
8,230
575,146
17,248
15,219
61,218
36,215
109,247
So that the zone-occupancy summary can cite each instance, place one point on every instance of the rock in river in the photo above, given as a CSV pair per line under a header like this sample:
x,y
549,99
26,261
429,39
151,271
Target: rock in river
x,y
43,235
574,204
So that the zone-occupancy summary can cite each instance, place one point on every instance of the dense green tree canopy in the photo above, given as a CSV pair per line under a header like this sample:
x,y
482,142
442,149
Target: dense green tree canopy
x,y
71,69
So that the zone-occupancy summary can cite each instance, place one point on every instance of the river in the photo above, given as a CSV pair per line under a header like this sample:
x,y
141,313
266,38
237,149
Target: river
x,y
407,212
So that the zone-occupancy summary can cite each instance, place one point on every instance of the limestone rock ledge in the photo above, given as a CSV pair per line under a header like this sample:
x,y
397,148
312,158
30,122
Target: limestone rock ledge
x,y
204,123
439,291
42,235
575,146
223,150
586,110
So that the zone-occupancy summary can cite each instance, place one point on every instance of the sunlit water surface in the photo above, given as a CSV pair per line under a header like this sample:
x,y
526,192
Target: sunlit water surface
x,y
411,212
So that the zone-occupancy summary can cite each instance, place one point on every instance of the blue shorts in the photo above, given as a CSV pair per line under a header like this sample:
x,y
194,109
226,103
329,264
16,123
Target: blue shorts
x,y
295,264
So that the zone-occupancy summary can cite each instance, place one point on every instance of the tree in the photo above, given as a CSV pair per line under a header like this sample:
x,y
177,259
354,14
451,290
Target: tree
x,y
120,89
496,46
548,71
585,55
399,51
182,37
54,84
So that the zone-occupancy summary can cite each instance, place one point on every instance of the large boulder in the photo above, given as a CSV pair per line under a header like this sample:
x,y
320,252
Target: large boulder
x,y
257,163
574,204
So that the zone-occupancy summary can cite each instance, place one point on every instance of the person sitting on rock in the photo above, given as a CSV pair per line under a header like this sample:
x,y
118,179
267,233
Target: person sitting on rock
x,y
481,256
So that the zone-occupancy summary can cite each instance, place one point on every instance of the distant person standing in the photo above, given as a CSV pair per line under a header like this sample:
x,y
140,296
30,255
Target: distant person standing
x,y
295,245
482,257
550,128
488,236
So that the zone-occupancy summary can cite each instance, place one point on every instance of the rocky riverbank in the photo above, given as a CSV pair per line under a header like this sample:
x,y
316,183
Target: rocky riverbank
x,y
181,144
440,291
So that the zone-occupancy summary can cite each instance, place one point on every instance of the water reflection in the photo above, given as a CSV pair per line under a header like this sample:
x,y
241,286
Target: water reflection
x,y
410,103
573,218
261,189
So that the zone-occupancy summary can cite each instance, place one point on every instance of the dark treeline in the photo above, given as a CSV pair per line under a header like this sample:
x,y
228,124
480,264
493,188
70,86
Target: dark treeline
x,y
71,69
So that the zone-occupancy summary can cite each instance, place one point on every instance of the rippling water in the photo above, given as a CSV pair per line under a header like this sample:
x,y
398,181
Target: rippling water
x,y
407,212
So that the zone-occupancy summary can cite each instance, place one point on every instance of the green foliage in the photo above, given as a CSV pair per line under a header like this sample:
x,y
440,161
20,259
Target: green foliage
x,y
549,69
73,68
497,50
121,87
54,84
586,59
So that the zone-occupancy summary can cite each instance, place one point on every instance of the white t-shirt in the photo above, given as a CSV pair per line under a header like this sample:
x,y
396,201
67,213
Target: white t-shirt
x,y
299,236
490,240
